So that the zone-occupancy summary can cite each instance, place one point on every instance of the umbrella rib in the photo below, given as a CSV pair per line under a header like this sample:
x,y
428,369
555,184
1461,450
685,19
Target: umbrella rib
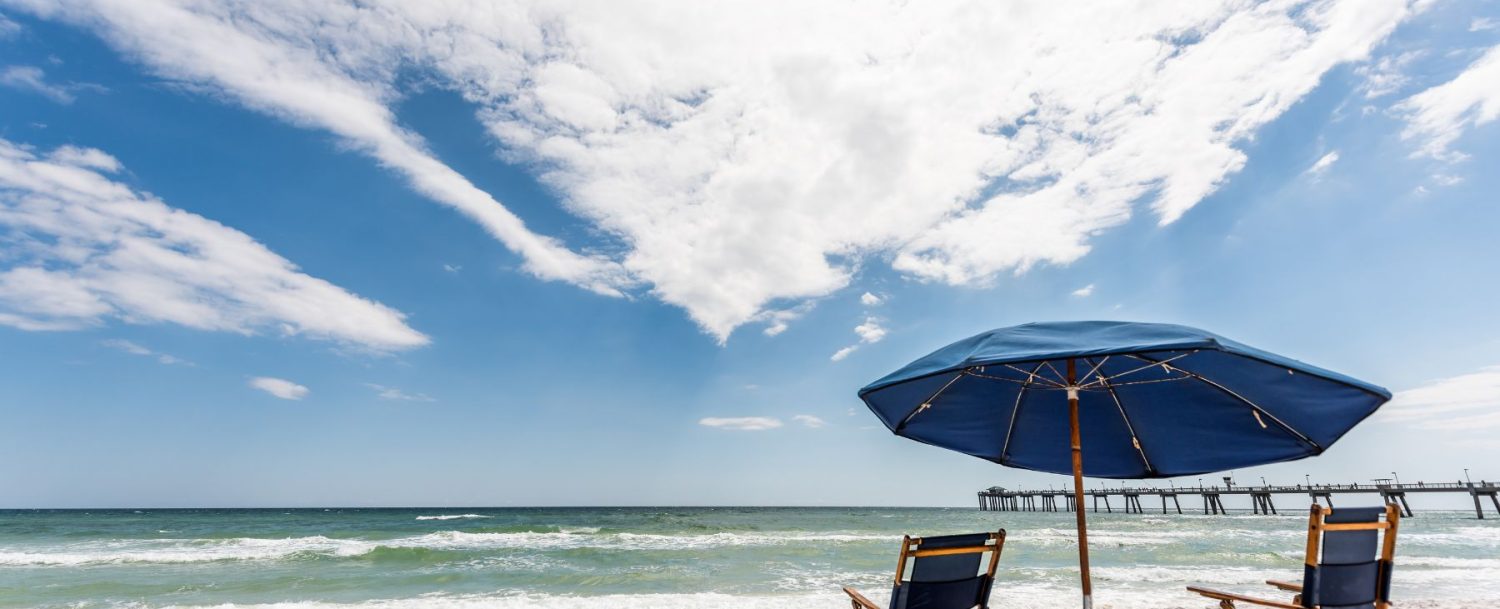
x,y
1095,370
1014,412
1254,408
1153,364
1134,439
927,403
1062,380
1033,376
996,378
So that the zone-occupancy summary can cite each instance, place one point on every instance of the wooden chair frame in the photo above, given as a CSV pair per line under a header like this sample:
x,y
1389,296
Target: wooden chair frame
x,y
1316,526
911,548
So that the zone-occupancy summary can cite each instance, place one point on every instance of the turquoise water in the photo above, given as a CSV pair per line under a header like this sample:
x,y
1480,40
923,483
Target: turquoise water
x,y
667,557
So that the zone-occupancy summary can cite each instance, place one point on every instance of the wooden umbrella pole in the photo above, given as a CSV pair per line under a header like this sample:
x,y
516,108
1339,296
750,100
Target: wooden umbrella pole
x,y
1083,535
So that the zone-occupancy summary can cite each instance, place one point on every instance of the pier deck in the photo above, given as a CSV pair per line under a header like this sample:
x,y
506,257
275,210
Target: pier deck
x,y
1261,497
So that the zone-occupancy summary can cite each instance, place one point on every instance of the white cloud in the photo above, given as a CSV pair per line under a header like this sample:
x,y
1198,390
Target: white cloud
x,y
280,388
1323,164
137,349
1084,292
1465,402
1387,74
1438,116
81,248
392,393
749,157
871,331
1445,179
808,420
1482,24
778,320
741,423
126,346
8,27
870,300
34,79
452,268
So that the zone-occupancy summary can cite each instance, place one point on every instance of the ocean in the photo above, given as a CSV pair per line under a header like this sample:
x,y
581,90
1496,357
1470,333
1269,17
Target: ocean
x,y
744,558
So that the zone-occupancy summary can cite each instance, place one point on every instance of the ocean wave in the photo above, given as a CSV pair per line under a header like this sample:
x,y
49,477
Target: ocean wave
x,y
252,548
1012,597
452,517
184,551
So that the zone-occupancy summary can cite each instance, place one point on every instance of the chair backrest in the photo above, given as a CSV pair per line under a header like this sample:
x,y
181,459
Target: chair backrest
x,y
947,572
1349,562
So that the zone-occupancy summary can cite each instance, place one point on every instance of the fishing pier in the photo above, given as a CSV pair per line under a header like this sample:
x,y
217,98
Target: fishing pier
x,y
1000,499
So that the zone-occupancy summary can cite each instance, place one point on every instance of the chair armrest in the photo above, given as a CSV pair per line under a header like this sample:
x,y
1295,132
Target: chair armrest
x,y
1287,586
1230,596
861,601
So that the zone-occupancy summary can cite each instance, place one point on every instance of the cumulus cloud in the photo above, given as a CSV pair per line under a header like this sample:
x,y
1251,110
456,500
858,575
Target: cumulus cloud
x,y
1084,292
741,423
871,331
808,420
81,248
748,158
870,300
394,394
1465,402
280,388
1437,116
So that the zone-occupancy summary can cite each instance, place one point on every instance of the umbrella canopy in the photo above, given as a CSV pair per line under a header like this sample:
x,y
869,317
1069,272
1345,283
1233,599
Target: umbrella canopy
x,y
1156,400
1143,400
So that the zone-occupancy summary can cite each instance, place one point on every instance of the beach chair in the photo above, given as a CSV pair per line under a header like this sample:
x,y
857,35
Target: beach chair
x,y
947,572
1352,572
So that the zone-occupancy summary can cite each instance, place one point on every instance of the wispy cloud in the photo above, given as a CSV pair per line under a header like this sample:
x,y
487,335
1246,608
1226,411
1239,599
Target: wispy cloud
x,y
1323,164
394,394
452,268
1387,74
1482,24
778,320
1437,116
838,356
808,420
1084,292
280,388
741,423
86,249
8,27
834,130
137,349
34,79
1465,402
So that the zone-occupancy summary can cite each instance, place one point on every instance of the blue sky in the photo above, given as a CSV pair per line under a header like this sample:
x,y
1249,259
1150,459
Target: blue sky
x,y
268,255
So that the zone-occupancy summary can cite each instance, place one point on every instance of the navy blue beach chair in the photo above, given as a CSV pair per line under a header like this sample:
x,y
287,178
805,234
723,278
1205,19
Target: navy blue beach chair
x,y
1353,570
947,572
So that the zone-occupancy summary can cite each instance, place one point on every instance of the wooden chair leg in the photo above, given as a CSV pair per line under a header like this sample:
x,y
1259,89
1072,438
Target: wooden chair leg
x,y
1226,604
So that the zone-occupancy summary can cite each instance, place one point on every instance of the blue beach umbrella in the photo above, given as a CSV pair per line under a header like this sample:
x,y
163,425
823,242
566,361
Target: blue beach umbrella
x,y
1142,400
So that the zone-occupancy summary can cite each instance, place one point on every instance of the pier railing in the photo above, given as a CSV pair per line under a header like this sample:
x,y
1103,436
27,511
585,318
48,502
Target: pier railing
x,y
1261,496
